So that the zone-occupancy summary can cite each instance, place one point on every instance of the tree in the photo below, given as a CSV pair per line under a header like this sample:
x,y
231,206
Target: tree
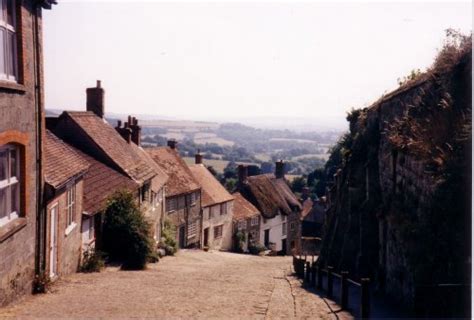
x,y
127,233
298,184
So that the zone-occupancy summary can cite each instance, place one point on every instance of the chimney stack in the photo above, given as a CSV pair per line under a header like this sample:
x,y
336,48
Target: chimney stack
x,y
243,173
198,157
279,169
136,131
95,100
172,143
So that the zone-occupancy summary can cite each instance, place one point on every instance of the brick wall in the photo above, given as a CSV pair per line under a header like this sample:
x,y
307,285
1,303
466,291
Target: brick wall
x,y
17,125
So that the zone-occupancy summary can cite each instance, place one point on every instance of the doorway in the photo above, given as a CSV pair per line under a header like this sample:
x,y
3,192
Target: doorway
x,y
206,237
283,247
181,236
266,240
53,242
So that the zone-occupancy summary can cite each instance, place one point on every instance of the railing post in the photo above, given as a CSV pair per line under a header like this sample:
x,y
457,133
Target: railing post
x,y
307,273
320,277
364,298
344,290
330,281
313,275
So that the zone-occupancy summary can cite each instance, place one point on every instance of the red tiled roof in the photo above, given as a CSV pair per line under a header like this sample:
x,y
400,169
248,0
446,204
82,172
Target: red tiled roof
x,y
242,208
61,162
212,191
180,180
161,177
112,145
100,182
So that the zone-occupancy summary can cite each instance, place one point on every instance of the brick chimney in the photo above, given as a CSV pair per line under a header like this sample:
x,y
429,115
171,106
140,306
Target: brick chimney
x,y
279,169
125,132
172,144
243,173
136,131
95,100
198,157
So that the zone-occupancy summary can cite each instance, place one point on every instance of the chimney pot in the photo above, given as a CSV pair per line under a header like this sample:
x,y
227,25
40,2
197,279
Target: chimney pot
x,y
95,100
119,123
279,169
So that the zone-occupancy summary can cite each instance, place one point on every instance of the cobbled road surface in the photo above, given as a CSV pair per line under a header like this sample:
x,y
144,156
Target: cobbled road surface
x,y
192,284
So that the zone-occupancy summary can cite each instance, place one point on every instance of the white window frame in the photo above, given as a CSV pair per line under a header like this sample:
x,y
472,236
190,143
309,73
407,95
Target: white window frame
x,y
254,221
9,182
284,228
10,55
192,229
70,205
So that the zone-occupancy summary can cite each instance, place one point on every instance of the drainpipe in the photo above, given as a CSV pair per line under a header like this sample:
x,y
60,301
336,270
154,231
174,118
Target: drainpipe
x,y
39,123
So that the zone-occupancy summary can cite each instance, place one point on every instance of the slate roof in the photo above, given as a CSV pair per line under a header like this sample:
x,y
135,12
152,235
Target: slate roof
x,y
181,180
270,195
100,182
212,191
61,161
113,146
243,209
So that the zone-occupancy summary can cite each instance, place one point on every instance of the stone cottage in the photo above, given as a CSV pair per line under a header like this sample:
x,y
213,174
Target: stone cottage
x,y
88,132
246,220
183,195
279,207
64,171
217,208
22,219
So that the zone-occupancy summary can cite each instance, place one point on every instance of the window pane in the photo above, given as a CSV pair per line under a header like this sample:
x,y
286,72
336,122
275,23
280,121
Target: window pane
x,y
3,165
13,163
2,51
15,196
11,54
11,12
3,203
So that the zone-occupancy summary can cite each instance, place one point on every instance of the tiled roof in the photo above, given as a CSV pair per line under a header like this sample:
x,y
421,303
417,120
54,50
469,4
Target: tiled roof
x,y
112,145
61,162
100,182
270,195
242,208
180,180
161,177
212,191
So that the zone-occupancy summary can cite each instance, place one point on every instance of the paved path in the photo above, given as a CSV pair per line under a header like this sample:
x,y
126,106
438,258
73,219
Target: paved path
x,y
194,284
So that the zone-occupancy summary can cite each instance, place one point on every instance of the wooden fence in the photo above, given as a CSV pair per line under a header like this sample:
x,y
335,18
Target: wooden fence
x,y
313,275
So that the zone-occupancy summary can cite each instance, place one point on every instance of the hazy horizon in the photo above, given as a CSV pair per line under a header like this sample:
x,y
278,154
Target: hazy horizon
x,y
240,60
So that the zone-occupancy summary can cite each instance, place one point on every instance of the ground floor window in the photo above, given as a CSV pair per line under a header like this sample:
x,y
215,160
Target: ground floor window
x,y
218,231
9,183
192,229
242,225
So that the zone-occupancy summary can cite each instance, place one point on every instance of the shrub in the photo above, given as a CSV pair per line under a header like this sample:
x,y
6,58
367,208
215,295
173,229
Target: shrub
x,y
154,257
127,234
41,283
256,248
93,261
168,239
239,241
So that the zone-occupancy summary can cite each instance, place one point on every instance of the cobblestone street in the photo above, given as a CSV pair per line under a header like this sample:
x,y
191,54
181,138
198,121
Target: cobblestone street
x,y
194,284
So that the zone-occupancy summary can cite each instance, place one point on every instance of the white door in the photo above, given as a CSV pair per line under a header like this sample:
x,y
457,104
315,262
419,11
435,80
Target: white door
x,y
53,242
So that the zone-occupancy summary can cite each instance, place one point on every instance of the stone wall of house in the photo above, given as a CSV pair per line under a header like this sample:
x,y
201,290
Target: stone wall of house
x,y
293,244
182,218
69,241
216,219
400,205
251,233
17,125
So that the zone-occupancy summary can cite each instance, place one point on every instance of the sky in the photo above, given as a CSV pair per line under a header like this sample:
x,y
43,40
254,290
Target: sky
x,y
299,62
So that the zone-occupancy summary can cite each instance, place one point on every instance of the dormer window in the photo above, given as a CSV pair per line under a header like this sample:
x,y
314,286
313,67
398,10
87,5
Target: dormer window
x,y
8,41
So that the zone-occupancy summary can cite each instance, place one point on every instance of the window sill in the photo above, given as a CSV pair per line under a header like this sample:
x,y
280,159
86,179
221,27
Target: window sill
x,y
12,86
69,229
11,228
